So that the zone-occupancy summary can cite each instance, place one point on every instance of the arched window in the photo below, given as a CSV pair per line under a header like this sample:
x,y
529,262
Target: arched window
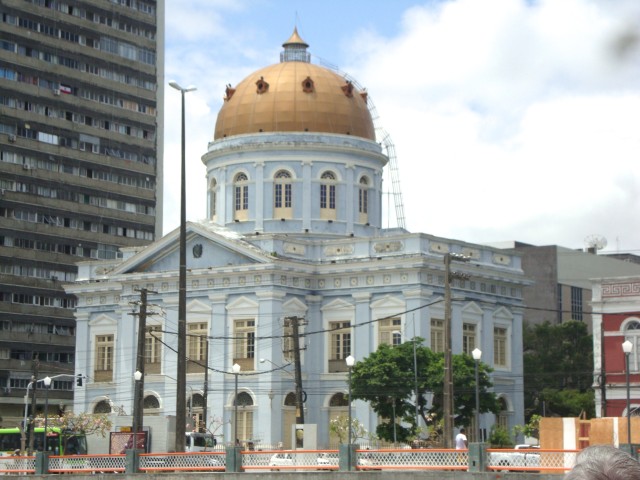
x,y
213,199
282,194
502,418
338,407
632,333
289,420
150,401
328,196
196,410
102,406
363,200
245,417
241,191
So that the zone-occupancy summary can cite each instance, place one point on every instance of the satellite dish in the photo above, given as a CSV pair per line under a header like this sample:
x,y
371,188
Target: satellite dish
x,y
595,242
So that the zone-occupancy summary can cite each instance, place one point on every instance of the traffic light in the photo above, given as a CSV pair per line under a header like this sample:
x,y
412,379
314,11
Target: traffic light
x,y
79,380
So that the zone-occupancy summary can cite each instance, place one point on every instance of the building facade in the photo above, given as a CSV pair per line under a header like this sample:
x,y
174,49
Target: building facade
x,y
616,318
294,232
561,280
80,163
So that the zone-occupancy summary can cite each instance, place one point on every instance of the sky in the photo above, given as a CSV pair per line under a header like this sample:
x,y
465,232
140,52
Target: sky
x,y
511,119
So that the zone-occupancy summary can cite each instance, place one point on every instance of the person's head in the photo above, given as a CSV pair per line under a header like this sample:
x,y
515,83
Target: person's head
x,y
604,462
462,430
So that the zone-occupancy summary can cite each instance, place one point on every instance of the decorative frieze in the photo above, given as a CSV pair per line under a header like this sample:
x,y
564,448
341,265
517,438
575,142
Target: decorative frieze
x,y
438,247
387,247
500,259
294,249
335,250
621,289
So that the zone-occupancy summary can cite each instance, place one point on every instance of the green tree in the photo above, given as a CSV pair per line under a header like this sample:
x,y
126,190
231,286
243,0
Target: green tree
x,y
558,369
386,380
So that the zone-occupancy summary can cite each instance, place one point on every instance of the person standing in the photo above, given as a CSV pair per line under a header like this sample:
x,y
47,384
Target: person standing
x,y
461,440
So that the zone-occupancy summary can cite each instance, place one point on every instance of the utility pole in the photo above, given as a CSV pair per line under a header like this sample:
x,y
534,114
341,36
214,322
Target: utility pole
x,y
34,404
138,406
206,387
448,359
298,370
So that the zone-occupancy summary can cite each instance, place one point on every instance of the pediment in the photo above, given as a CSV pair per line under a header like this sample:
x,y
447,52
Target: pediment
x,y
103,320
243,305
206,248
503,313
472,308
388,301
337,304
295,306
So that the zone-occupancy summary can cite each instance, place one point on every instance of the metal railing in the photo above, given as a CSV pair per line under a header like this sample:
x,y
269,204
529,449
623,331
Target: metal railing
x,y
497,460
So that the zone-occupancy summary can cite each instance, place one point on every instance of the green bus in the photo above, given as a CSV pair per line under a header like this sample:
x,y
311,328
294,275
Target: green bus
x,y
59,442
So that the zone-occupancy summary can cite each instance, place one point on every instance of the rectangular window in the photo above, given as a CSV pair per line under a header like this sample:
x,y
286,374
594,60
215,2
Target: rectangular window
x,y
576,303
152,349
389,331
278,194
437,335
500,347
287,340
287,195
104,358
559,306
468,338
244,345
197,342
363,203
340,341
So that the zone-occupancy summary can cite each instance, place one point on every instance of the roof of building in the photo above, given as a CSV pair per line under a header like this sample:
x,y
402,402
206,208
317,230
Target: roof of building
x,y
295,96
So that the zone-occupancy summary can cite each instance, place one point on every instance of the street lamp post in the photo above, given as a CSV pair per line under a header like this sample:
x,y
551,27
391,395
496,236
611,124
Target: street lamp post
x,y
236,372
181,373
137,414
47,384
448,360
415,372
477,355
350,361
23,439
627,347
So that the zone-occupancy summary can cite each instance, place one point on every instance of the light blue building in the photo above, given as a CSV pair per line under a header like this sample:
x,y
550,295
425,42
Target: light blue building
x,y
294,230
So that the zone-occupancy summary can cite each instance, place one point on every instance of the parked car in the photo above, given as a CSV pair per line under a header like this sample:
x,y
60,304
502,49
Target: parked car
x,y
332,458
516,460
281,460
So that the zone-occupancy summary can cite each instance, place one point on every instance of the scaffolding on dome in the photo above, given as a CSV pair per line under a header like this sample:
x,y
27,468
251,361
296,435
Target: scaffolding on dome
x,y
385,140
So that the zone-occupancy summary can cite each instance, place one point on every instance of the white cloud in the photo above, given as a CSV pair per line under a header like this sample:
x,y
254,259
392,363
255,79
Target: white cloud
x,y
511,119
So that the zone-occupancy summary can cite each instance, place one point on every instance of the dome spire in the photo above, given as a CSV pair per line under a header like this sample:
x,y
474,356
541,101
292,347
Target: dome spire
x,y
295,49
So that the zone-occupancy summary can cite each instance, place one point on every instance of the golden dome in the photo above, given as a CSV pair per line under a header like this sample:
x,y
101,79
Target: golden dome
x,y
294,96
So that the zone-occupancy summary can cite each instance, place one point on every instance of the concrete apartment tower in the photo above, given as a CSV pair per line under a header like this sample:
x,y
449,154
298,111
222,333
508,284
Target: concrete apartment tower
x,y
80,171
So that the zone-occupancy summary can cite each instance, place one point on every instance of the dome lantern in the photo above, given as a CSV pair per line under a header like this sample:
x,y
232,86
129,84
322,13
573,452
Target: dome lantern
x,y
295,49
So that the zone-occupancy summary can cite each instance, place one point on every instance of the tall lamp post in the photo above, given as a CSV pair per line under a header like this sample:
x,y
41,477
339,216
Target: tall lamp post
x,y
47,384
236,372
181,373
350,361
477,355
137,414
627,347
448,361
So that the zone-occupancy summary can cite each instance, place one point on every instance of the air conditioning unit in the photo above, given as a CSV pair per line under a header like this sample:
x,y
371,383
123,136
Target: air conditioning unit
x,y
6,390
56,91
12,138
26,167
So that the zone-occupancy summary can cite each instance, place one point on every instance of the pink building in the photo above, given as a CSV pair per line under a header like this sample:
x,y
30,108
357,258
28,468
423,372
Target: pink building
x,y
616,318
